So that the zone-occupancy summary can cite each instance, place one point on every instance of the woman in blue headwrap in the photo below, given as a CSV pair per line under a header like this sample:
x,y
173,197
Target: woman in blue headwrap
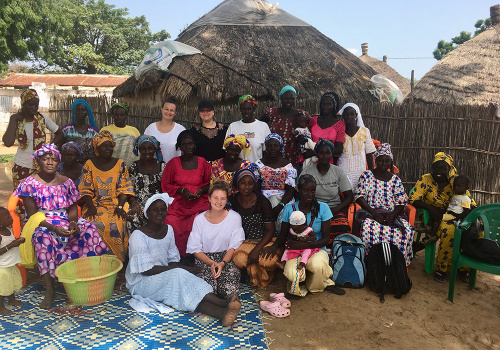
x,y
281,120
145,174
81,130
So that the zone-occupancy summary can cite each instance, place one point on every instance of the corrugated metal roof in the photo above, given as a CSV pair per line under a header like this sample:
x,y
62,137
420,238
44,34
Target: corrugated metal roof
x,y
94,80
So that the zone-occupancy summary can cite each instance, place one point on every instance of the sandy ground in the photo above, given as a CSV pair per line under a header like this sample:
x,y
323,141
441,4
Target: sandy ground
x,y
423,319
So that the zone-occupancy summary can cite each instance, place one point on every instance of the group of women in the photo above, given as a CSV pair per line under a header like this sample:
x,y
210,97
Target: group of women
x,y
252,167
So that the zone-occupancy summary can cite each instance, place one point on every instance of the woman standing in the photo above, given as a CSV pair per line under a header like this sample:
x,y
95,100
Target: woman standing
x,y
215,236
358,145
155,278
166,130
382,197
209,135
145,174
61,235
105,188
254,130
186,179
258,224
281,121
327,125
28,127
80,130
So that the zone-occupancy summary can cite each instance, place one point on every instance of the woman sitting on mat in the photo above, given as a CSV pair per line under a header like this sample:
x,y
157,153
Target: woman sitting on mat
x,y
215,236
258,223
157,280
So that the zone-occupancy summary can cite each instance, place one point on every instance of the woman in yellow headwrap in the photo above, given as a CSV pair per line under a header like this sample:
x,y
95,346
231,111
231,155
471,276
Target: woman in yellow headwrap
x,y
433,192
105,188
224,168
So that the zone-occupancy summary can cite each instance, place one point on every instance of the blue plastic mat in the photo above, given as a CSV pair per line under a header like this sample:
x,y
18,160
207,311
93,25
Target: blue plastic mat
x,y
115,325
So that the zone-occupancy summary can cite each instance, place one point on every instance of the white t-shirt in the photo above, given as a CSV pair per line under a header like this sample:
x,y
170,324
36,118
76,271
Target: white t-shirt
x,y
255,132
215,238
23,155
167,140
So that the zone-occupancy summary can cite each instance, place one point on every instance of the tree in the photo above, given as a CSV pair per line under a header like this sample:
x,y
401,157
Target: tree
x,y
443,47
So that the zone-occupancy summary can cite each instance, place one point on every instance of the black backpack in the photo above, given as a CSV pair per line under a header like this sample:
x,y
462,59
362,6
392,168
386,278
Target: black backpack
x,y
482,249
386,271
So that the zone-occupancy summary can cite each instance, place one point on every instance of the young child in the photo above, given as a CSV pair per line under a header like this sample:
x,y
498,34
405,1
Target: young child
x,y
301,232
9,257
458,209
302,130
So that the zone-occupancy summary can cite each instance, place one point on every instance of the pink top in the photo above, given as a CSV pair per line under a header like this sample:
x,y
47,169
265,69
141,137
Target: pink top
x,y
335,133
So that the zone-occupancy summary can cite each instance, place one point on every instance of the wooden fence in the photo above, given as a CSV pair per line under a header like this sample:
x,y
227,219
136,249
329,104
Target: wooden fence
x,y
415,131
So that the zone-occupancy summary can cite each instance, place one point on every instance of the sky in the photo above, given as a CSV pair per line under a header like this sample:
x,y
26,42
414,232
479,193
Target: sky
x,y
407,31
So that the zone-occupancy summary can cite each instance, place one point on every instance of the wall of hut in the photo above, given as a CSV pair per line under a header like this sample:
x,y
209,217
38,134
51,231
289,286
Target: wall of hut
x,y
415,131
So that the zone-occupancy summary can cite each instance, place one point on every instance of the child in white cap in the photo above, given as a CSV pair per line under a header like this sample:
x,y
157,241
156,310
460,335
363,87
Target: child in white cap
x,y
301,232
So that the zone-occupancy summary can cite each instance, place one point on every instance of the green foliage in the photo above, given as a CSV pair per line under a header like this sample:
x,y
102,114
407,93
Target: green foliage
x,y
5,158
443,47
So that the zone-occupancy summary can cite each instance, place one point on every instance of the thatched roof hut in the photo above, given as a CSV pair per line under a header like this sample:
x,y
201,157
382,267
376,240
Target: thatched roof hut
x,y
470,74
251,46
381,67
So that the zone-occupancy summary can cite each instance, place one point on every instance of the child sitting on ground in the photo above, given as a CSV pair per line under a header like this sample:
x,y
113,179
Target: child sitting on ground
x,y
301,232
9,257
301,130
458,209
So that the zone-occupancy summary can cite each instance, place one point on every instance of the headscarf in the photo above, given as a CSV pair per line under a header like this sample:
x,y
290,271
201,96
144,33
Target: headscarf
x,y
356,108
119,105
239,174
38,124
46,149
239,140
71,144
322,143
146,138
28,94
275,136
285,89
449,160
90,115
159,196
247,98
336,102
100,138
384,150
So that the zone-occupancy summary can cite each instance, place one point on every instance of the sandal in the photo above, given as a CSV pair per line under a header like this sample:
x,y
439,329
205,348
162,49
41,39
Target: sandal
x,y
335,290
440,277
274,309
463,276
280,297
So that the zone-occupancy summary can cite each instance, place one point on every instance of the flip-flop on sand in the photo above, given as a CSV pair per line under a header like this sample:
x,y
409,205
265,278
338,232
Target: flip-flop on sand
x,y
280,297
274,308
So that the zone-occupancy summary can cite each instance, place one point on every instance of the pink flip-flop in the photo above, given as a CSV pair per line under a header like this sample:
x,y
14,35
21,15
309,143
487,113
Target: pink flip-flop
x,y
274,308
280,297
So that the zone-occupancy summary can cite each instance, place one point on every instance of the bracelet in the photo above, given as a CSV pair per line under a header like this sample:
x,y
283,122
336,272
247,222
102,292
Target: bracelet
x,y
282,204
6,248
120,207
73,222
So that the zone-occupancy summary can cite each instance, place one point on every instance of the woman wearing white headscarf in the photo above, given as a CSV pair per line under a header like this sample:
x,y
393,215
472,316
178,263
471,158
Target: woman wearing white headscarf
x,y
157,281
357,155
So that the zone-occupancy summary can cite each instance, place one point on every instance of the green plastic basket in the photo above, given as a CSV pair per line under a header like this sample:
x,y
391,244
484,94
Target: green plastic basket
x,y
89,281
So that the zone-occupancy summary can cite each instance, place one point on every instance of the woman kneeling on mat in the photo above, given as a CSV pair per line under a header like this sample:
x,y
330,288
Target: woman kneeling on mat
x,y
155,278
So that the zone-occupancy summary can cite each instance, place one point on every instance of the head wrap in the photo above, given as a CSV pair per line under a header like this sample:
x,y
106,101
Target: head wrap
x,y
70,145
247,98
146,138
119,105
100,138
277,137
285,89
28,94
322,143
297,218
356,108
336,102
239,140
239,174
206,104
448,160
46,149
159,196
384,150
90,115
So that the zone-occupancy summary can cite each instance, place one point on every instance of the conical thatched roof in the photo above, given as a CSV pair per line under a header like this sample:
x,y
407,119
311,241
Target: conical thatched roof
x,y
381,67
251,46
470,74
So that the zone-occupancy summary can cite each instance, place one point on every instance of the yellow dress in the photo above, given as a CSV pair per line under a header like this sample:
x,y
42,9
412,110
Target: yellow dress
x,y
104,187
